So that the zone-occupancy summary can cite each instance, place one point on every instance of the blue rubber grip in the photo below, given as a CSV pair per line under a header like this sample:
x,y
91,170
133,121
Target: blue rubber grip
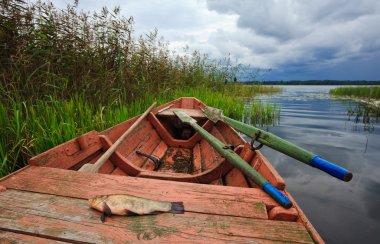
x,y
277,195
330,168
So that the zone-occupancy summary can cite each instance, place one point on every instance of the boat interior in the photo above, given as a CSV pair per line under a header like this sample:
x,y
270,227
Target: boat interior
x,y
162,160
162,147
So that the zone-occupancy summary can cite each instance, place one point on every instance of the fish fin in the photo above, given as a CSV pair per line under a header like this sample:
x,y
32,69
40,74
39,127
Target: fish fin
x,y
177,208
106,213
103,217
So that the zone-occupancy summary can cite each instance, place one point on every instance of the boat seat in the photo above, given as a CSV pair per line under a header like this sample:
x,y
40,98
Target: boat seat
x,y
195,113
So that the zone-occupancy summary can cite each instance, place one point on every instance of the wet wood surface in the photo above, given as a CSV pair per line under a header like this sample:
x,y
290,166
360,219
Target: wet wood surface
x,y
52,203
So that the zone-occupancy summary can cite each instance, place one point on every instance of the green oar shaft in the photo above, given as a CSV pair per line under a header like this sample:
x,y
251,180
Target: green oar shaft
x,y
236,160
272,141
290,149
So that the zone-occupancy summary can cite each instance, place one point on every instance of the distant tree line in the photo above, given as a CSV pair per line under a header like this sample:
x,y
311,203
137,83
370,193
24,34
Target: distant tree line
x,y
315,82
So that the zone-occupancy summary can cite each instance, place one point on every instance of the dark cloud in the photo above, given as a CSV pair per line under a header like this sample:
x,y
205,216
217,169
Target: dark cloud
x,y
311,35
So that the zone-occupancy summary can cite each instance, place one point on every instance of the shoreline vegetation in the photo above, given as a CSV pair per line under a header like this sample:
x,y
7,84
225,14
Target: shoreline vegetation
x,y
318,82
66,72
368,109
369,96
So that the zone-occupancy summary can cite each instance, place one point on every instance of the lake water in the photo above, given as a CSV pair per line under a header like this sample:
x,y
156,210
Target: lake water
x,y
341,212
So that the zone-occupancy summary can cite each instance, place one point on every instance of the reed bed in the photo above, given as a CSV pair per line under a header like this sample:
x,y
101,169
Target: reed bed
x,y
31,127
359,92
66,72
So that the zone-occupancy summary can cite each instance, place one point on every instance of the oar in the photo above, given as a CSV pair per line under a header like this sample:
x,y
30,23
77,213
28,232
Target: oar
x,y
236,160
99,163
281,145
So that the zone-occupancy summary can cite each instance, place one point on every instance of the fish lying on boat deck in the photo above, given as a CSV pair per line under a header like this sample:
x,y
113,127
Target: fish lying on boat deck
x,y
131,205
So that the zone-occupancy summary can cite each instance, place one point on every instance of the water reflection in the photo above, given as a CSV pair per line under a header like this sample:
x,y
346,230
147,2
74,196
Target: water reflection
x,y
341,212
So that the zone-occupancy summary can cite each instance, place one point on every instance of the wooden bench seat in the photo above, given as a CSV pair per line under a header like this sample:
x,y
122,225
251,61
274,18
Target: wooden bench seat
x,y
52,204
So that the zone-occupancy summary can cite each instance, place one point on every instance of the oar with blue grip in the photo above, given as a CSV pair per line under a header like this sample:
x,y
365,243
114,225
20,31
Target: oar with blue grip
x,y
277,195
280,145
236,160
330,168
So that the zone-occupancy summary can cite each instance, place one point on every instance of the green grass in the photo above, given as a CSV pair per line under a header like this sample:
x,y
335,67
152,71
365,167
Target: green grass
x,y
372,92
34,126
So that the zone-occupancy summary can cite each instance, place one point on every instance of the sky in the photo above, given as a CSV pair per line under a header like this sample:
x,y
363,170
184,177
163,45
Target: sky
x,y
296,40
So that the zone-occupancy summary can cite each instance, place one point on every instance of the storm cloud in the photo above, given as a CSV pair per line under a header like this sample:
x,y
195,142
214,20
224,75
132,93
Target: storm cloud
x,y
334,39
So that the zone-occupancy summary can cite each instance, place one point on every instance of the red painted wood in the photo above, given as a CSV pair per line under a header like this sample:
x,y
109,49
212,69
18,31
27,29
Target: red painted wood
x,y
230,135
146,146
118,160
159,153
7,237
139,136
204,177
236,178
225,200
197,159
215,132
69,153
217,182
194,113
280,213
118,171
187,102
169,140
71,220
262,165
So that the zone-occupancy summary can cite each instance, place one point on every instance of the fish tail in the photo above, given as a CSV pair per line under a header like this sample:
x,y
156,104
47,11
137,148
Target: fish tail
x,y
177,208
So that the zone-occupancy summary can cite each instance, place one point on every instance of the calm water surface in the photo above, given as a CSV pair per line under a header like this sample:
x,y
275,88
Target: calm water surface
x,y
341,212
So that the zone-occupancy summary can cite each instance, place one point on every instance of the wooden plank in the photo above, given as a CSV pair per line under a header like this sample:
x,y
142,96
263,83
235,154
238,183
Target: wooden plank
x,y
187,102
118,171
195,113
217,182
137,137
106,168
158,152
262,165
236,178
146,146
215,132
229,134
70,219
197,159
12,237
68,154
197,197
210,157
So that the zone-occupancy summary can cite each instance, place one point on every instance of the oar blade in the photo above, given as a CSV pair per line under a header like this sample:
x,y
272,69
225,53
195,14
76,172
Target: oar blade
x,y
87,168
184,117
213,114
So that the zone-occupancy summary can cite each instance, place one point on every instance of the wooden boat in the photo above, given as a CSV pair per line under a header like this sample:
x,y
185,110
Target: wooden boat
x,y
221,204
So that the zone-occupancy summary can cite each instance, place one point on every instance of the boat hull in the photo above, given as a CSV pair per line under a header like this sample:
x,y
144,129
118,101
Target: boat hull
x,y
184,155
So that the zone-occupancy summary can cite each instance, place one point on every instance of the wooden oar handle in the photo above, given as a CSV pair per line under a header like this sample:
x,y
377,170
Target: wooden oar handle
x,y
331,169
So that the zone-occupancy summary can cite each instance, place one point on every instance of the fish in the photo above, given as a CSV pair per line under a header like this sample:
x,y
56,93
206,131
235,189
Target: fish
x,y
131,205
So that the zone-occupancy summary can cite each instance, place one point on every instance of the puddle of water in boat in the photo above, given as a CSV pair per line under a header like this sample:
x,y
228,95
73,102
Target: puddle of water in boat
x,y
341,212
